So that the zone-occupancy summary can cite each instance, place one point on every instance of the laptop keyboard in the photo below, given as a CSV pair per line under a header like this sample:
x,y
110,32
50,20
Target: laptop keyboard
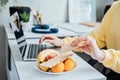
x,y
34,50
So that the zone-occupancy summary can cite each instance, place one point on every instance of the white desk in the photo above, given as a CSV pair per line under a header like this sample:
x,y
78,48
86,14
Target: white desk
x,y
83,71
28,34
65,29
27,71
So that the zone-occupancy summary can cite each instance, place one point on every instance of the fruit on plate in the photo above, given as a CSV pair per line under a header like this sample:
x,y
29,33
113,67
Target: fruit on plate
x,y
44,56
50,56
44,68
69,64
47,54
51,60
58,68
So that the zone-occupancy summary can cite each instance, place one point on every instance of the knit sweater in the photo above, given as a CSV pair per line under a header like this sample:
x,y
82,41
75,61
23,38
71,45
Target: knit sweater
x,y
107,34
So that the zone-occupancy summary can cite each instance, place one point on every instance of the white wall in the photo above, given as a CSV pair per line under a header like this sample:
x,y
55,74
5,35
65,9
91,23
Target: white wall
x,y
50,9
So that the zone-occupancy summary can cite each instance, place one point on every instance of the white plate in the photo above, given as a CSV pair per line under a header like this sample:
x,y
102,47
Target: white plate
x,y
36,67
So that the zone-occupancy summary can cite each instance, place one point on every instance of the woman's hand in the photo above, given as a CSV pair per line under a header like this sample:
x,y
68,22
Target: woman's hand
x,y
52,39
88,46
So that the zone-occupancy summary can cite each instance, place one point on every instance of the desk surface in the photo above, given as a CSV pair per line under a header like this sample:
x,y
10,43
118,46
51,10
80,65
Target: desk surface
x,y
83,71
27,71
65,29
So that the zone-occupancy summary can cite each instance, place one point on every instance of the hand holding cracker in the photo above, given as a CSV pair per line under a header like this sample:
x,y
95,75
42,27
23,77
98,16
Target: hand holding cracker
x,y
89,46
72,46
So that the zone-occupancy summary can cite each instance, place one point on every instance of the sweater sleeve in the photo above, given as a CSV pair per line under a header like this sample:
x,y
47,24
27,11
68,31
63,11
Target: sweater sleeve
x,y
112,59
102,30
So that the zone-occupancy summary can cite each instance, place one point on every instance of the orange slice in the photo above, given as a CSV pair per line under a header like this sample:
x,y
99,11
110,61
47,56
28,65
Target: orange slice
x,y
58,68
69,64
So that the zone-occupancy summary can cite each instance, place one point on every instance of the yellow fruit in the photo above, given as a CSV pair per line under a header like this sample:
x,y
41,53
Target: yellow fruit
x,y
39,58
69,64
58,68
43,54
44,68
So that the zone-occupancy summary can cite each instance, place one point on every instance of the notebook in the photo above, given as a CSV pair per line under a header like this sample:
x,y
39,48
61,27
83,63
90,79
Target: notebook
x,y
27,51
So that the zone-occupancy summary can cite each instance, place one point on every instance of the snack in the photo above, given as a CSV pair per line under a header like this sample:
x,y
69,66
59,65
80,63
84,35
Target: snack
x,y
58,68
44,56
68,47
47,54
81,43
56,63
69,64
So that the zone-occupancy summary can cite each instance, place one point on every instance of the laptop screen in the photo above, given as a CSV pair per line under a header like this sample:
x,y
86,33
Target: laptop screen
x,y
18,32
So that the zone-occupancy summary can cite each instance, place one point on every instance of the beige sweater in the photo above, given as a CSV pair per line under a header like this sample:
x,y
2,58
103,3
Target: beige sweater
x,y
108,34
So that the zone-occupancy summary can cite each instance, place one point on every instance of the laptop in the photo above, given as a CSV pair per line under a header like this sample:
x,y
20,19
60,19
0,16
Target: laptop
x,y
28,51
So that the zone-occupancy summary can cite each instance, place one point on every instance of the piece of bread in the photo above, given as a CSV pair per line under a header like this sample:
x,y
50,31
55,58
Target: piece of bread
x,y
81,43
68,47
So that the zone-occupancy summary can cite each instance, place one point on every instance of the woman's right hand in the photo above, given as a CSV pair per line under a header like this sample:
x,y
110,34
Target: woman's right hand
x,y
52,39
89,46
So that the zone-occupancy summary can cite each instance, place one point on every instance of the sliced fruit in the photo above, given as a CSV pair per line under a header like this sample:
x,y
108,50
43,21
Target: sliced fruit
x,y
43,54
44,68
50,56
46,55
69,64
58,68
